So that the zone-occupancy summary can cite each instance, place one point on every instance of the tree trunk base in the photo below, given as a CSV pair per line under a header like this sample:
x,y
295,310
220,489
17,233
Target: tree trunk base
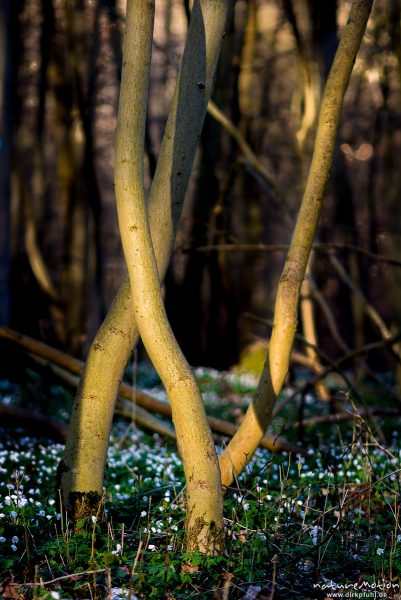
x,y
78,505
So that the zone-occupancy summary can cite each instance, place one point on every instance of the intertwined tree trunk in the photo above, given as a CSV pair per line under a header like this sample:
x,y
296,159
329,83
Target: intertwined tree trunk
x,y
82,468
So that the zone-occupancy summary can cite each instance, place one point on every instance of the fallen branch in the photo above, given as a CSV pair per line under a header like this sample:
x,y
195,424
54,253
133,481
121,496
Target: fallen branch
x,y
129,410
126,392
33,422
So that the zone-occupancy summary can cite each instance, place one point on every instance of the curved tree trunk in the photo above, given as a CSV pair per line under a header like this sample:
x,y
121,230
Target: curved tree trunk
x,y
243,445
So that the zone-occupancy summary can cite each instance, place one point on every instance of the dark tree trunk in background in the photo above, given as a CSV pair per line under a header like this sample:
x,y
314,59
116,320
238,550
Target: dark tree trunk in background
x,y
392,243
9,50
324,32
83,273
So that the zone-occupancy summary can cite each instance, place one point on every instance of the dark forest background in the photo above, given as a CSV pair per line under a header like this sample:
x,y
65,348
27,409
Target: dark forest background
x,y
61,260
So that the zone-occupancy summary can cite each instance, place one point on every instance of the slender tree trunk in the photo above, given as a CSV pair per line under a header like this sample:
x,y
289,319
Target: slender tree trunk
x,y
204,498
309,330
82,468
204,523
242,447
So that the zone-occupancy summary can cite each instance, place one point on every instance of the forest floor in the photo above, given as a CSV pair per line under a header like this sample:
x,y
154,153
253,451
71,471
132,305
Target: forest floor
x,y
319,524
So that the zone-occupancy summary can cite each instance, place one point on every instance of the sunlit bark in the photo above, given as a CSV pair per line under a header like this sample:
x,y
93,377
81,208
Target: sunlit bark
x,y
242,447
195,442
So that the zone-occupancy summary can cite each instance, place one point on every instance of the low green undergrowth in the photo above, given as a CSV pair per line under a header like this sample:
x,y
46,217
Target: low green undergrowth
x,y
296,525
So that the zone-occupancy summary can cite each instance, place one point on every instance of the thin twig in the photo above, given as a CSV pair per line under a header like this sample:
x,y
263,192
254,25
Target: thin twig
x,y
252,160
369,308
345,416
93,571
138,553
324,248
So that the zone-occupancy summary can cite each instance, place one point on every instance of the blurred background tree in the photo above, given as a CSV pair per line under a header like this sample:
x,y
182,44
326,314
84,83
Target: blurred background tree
x,y
60,255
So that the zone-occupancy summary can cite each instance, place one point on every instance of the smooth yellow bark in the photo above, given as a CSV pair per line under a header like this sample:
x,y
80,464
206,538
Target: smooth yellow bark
x,y
243,445
204,521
